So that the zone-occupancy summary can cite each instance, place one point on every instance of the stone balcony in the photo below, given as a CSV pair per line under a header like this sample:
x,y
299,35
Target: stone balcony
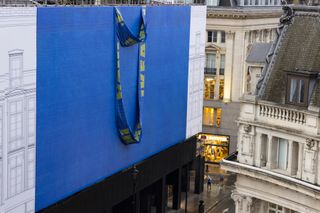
x,y
275,115
264,125
263,184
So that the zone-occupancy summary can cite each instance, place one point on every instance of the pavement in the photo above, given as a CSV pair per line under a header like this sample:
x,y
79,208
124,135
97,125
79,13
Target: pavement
x,y
216,200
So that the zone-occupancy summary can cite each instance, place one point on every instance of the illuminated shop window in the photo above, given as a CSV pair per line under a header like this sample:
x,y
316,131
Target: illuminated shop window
x,y
214,70
212,116
218,117
208,116
221,89
209,88
216,147
222,63
210,64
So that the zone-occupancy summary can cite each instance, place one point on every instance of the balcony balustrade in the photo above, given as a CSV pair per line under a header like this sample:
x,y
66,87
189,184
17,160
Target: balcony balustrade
x,y
281,113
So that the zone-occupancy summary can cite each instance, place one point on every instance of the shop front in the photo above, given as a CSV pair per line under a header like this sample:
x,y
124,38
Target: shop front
x,y
215,147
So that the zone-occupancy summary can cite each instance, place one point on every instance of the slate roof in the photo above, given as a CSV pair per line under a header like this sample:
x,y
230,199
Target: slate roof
x,y
258,52
296,48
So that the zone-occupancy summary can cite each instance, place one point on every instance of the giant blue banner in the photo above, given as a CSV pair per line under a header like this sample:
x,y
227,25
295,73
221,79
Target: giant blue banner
x,y
77,137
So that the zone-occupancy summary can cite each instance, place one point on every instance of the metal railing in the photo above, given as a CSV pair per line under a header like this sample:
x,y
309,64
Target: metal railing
x,y
96,2
212,71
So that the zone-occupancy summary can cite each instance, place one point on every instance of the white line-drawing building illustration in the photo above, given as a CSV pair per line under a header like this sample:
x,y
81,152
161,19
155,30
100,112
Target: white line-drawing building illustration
x,y
17,109
195,73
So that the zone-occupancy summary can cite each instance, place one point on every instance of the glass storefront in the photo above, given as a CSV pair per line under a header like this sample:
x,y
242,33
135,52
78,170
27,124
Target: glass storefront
x,y
216,147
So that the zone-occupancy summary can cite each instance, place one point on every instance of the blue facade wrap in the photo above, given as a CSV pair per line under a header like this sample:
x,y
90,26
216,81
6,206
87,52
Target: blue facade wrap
x,y
77,139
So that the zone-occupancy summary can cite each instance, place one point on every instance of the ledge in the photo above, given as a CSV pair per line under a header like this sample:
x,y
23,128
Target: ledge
x,y
244,12
275,178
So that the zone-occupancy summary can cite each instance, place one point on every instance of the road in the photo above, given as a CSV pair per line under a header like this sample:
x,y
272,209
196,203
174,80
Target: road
x,y
224,206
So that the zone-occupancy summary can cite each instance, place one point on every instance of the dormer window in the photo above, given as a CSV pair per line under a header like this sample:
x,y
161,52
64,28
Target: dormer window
x,y
299,87
298,90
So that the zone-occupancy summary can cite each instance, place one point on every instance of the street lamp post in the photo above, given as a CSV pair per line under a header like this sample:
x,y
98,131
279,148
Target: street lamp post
x,y
134,174
201,206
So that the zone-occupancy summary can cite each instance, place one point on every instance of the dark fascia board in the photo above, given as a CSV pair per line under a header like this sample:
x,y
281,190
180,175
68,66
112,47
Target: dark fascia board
x,y
304,73
102,195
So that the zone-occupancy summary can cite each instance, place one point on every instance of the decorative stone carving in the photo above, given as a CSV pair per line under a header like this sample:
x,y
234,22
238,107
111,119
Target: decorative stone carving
x,y
230,35
309,161
310,143
248,203
243,202
238,198
288,13
247,128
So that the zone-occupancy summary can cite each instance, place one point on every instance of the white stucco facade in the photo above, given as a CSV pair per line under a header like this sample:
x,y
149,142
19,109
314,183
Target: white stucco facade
x,y
286,175
278,167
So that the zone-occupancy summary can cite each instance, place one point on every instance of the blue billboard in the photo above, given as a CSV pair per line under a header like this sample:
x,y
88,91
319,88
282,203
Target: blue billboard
x,y
78,143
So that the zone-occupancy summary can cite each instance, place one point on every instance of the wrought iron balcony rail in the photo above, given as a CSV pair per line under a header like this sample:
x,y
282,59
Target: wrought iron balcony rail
x,y
212,71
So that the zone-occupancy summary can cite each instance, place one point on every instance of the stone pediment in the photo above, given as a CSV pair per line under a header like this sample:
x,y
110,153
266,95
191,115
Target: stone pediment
x,y
213,47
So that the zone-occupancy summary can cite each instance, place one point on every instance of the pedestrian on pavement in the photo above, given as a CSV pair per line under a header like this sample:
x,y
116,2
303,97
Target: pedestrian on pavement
x,y
201,206
209,183
221,179
221,185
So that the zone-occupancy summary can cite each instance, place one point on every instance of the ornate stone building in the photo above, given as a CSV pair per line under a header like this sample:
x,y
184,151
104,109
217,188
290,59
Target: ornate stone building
x,y
278,164
231,31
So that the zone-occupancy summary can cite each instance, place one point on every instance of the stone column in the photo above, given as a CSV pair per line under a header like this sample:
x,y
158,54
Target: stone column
x,y
247,207
238,61
243,203
219,37
237,201
300,160
289,169
257,155
217,83
269,161
228,66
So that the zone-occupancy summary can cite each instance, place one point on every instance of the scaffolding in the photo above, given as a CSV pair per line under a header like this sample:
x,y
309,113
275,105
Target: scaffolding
x,y
10,3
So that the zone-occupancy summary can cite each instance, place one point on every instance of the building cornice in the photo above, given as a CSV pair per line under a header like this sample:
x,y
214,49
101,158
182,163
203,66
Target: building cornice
x,y
272,177
17,12
244,13
278,128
